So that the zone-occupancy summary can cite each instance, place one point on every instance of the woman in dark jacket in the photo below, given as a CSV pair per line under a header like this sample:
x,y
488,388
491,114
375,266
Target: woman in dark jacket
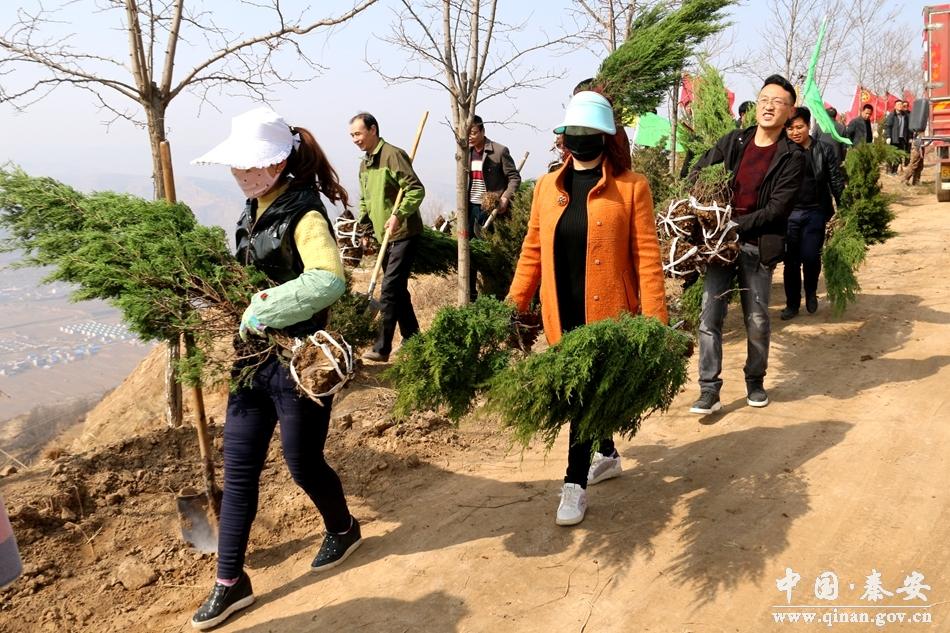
x,y
284,231
821,182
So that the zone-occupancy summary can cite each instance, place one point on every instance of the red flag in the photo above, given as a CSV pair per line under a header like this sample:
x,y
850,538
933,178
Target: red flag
x,y
880,108
890,101
732,99
909,97
686,92
861,96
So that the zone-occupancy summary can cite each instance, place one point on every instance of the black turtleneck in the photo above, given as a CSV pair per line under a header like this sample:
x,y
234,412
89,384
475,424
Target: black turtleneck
x,y
570,246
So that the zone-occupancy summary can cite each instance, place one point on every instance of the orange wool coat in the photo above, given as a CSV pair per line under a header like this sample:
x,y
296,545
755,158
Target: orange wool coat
x,y
624,272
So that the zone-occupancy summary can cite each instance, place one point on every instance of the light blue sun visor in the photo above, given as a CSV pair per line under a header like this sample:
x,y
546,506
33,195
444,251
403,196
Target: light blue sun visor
x,y
588,110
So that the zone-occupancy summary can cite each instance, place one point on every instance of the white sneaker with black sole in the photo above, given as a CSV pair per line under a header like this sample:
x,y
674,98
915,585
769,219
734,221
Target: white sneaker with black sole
x,y
573,505
603,468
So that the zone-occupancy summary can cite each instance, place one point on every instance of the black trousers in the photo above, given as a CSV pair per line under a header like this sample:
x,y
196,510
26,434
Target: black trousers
x,y
253,413
579,453
475,216
396,303
903,145
803,241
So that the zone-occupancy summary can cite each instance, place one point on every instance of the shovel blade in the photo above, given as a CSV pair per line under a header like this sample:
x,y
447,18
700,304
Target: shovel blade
x,y
198,525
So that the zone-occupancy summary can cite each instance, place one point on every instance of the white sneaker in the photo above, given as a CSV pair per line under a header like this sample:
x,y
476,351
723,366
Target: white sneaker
x,y
603,468
573,505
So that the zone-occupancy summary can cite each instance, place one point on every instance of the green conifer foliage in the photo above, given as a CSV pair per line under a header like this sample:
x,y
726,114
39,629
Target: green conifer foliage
x,y
445,366
607,376
863,218
638,73
710,119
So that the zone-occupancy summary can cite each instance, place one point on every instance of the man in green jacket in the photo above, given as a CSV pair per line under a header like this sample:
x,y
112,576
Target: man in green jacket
x,y
384,170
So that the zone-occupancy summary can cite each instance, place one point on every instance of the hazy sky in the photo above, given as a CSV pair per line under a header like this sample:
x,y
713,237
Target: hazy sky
x,y
63,136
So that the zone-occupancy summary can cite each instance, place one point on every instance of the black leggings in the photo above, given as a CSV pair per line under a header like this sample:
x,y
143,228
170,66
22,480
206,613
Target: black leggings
x,y
253,413
579,453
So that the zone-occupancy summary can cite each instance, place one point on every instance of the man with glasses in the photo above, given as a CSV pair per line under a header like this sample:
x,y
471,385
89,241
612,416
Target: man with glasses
x,y
766,172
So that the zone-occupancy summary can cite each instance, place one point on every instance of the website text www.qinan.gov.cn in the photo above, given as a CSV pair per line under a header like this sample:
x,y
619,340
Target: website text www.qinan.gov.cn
x,y
829,619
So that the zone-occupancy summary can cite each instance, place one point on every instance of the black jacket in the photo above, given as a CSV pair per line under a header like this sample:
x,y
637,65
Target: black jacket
x,y
828,175
840,148
498,170
769,220
859,131
892,129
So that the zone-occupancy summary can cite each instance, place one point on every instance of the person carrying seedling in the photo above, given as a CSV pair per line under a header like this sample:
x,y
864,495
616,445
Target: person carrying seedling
x,y
592,248
384,170
822,183
284,231
492,183
766,168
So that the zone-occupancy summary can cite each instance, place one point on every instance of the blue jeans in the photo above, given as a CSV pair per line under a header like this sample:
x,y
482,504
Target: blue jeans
x,y
253,412
803,242
755,283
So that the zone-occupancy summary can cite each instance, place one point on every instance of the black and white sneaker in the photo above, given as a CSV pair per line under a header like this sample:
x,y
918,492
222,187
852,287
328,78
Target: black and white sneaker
x,y
707,403
337,547
222,602
756,396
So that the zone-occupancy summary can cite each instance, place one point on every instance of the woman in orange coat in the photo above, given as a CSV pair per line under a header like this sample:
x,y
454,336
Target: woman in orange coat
x,y
592,248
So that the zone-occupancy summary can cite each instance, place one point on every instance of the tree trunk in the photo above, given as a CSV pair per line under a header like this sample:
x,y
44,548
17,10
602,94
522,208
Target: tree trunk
x,y
173,399
461,215
674,124
155,117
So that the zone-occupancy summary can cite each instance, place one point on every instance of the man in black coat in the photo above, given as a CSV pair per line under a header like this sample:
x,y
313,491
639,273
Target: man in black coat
x,y
491,170
897,130
766,172
859,128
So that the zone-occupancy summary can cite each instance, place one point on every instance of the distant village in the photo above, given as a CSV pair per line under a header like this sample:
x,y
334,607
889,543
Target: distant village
x,y
20,353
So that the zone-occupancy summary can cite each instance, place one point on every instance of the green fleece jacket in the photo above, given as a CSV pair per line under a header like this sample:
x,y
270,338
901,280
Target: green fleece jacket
x,y
382,173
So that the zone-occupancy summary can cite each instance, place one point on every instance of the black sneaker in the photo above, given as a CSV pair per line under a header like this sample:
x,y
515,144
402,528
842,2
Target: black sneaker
x,y
756,396
337,547
222,602
789,313
708,403
811,303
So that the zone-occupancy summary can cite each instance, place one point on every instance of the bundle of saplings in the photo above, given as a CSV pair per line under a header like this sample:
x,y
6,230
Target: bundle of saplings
x,y
607,376
445,366
698,230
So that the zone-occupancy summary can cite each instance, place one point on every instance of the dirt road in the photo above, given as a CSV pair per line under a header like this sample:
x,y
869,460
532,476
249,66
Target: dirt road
x,y
845,472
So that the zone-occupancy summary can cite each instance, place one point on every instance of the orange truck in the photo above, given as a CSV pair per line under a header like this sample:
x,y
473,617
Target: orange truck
x,y
930,116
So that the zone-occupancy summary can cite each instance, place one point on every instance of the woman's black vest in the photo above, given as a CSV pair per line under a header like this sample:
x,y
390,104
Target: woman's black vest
x,y
269,245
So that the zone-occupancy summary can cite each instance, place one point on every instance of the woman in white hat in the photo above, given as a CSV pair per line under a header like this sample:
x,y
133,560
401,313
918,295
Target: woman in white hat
x,y
285,232
592,248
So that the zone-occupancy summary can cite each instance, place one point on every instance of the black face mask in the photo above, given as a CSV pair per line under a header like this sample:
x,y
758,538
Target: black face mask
x,y
584,147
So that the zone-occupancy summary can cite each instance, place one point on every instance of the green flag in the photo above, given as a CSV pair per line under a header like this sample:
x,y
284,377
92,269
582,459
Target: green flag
x,y
811,95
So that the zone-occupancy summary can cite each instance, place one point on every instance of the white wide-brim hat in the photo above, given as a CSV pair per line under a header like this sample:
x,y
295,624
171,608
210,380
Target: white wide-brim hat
x,y
258,138
588,109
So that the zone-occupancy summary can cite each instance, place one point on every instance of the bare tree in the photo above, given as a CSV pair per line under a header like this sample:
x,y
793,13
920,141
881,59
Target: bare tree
x,y
787,44
607,21
892,66
477,57
869,20
150,79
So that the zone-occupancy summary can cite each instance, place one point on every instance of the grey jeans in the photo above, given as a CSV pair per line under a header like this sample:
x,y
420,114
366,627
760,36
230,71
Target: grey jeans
x,y
755,283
